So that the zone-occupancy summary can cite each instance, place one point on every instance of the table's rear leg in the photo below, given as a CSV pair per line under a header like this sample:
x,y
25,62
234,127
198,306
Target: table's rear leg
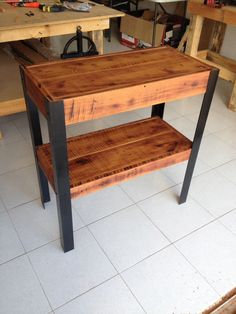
x,y
158,110
57,135
36,137
199,133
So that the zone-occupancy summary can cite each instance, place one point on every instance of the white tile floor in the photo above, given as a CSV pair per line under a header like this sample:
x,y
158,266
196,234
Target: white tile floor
x,y
136,249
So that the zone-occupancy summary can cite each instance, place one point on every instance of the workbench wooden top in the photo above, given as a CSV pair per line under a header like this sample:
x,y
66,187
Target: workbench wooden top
x,y
145,75
15,17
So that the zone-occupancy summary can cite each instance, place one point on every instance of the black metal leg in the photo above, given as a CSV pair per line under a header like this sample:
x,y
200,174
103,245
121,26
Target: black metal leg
x,y
36,137
57,135
198,133
158,110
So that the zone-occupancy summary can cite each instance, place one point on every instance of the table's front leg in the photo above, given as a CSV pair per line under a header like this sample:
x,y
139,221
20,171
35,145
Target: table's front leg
x,y
36,138
199,133
97,38
57,136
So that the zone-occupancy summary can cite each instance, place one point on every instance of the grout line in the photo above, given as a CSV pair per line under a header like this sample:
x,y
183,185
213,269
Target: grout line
x,y
39,282
85,292
197,270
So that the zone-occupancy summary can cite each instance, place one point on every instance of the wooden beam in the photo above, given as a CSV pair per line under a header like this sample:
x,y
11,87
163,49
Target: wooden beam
x,y
97,38
41,31
41,48
228,63
217,38
232,101
27,53
195,29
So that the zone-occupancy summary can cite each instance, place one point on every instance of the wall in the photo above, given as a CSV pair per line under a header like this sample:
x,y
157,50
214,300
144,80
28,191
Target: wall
x,y
229,45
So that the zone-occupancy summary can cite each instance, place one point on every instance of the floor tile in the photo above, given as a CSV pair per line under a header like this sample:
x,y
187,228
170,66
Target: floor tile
x,y
10,134
214,192
18,187
64,276
167,283
111,297
186,127
176,172
127,237
229,221
212,251
227,136
215,121
146,185
15,156
43,226
174,220
215,152
102,203
122,118
169,113
2,207
86,127
20,289
10,245
228,170
187,106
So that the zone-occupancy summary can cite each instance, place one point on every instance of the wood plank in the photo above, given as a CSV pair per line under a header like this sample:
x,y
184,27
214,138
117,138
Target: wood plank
x,y
205,11
229,15
47,30
97,86
126,99
194,35
226,14
224,73
225,305
217,38
41,48
97,38
14,18
232,101
228,63
109,156
11,96
27,53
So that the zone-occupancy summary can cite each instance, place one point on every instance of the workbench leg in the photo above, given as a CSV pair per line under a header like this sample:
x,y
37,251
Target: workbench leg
x,y
194,34
0,135
57,136
158,110
232,101
199,133
36,138
97,38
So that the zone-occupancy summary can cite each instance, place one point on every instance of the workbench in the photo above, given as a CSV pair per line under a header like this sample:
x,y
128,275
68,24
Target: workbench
x,y
222,17
72,91
16,25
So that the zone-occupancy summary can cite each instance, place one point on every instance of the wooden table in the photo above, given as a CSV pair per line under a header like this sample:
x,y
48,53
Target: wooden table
x,y
15,25
222,17
72,91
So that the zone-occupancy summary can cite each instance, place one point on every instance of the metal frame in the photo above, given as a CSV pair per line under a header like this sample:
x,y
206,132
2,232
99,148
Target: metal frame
x,y
36,137
158,110
57,136
202,119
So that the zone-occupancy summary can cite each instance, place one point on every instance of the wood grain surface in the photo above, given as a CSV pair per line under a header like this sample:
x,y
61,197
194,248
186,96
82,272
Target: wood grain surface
x,y
104,85
106,157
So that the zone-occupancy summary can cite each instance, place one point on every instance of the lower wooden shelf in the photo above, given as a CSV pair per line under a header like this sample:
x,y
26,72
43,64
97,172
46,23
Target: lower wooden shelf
x,y
106,157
